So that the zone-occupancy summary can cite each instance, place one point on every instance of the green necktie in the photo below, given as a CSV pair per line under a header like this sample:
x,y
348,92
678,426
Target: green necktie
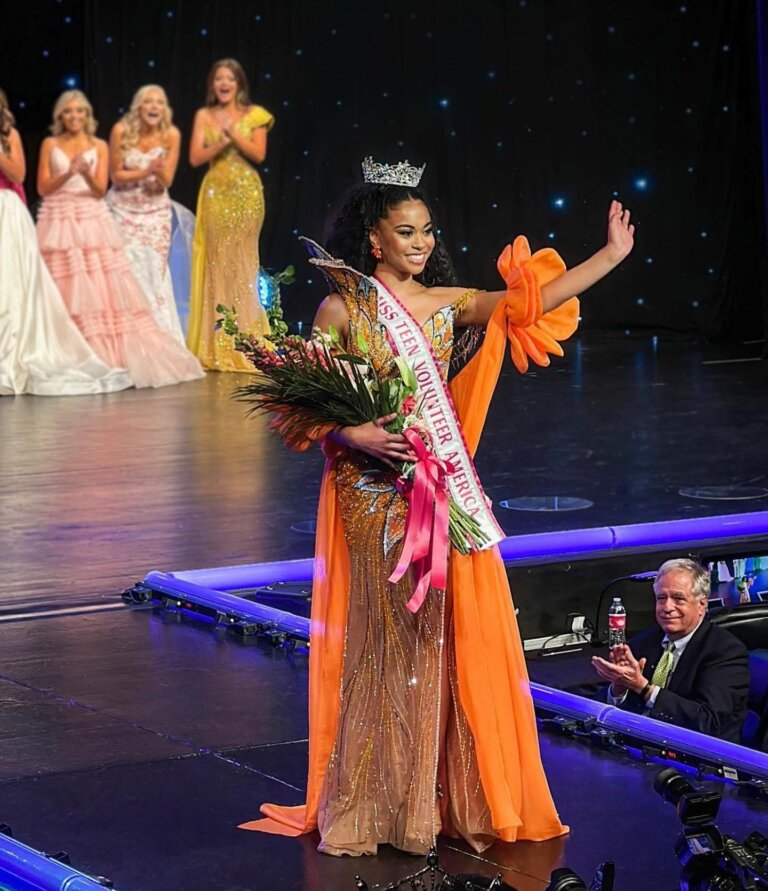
x,y
663,670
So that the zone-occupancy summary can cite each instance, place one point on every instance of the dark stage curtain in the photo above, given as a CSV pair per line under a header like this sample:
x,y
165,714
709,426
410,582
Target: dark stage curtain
x,y
530,114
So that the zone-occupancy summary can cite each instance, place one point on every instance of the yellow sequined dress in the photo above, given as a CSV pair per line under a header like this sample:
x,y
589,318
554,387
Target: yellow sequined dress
x,y
225,255
402,734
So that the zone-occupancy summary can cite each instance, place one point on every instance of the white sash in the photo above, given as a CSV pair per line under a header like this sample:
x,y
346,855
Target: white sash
x,y
438,412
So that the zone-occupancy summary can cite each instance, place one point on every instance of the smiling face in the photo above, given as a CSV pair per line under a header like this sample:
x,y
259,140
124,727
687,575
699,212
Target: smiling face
x,y
678,610
153,108
73,117
406,238
225,85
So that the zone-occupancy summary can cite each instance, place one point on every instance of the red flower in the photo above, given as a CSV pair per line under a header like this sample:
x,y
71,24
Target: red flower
x,y
408,405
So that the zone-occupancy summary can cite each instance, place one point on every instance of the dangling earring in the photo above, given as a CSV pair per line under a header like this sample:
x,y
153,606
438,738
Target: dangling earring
x,y
376,252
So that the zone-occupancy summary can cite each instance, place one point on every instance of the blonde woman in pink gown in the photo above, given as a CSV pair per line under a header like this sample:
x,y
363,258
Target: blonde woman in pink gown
x,y
84,250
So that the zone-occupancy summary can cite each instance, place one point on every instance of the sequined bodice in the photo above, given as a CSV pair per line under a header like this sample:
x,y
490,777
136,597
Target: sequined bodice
x,y
136,159
230,157
147,192
363,320
361,299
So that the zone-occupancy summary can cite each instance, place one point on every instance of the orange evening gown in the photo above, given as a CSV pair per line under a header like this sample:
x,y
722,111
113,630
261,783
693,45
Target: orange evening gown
x,y
421,723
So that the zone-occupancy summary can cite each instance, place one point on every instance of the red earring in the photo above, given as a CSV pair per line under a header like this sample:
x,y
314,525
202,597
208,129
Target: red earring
x,y
376,251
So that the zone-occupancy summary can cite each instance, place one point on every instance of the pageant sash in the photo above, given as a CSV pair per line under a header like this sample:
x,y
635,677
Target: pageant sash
x,y
438,413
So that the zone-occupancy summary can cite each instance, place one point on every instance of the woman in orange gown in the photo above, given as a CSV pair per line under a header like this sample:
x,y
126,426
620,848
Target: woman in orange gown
x,y
422,722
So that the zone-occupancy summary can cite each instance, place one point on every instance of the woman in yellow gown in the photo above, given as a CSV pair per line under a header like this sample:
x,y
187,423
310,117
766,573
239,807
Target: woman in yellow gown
x,y
231,135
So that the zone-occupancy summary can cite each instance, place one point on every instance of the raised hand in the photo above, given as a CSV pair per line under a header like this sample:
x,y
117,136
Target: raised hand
x,y
621,233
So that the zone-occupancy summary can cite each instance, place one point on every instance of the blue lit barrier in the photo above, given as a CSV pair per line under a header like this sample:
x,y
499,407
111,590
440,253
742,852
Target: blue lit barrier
x,y
209,588
249,575
518,548
659,733
228,605
693,529
24,869
580,542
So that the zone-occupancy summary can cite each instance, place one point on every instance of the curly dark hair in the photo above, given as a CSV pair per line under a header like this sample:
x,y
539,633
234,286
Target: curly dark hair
x,y
347,234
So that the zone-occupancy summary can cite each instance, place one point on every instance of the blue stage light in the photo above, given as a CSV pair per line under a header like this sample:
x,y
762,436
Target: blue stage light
x,y
266,289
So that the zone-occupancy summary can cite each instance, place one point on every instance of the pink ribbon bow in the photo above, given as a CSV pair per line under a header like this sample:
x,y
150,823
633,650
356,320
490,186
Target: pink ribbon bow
x,y
425,547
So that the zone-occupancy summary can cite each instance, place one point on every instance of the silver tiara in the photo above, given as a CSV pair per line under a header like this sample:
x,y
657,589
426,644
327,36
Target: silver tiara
x,y
400,174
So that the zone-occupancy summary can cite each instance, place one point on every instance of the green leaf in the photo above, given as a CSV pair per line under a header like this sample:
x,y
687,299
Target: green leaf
x,y
407,374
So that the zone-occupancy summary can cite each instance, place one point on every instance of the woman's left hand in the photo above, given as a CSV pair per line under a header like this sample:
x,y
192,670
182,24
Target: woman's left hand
x,y
621,233
225,124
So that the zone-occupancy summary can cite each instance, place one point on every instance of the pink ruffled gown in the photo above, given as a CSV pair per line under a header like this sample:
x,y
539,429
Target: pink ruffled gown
x,y
83,248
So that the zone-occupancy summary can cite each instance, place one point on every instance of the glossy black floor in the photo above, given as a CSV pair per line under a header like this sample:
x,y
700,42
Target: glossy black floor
x,y
138,741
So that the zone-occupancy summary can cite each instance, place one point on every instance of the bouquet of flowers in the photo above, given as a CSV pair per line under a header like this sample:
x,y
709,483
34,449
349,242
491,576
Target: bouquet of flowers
x,y
314,386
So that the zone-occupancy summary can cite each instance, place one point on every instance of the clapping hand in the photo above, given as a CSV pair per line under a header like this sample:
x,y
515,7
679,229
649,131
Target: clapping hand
x,y
621,233
155,165
225,123
623,671
151,184
78,164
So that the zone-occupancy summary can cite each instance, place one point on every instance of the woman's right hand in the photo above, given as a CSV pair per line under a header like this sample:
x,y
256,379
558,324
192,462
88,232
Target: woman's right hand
x,y
78,164
374,440
225,126
155,165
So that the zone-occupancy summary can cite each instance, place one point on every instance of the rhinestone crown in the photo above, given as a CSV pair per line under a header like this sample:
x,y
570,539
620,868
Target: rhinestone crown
x,y
400,174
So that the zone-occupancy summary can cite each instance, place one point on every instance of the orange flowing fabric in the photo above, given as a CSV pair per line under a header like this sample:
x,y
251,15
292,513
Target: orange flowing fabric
x,y
493,679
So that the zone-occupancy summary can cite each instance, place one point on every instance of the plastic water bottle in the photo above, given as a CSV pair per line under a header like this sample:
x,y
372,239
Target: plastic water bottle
x,y
617,623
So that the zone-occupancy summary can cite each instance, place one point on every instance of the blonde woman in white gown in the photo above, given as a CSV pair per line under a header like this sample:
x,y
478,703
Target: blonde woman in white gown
x,y
41,350
143,157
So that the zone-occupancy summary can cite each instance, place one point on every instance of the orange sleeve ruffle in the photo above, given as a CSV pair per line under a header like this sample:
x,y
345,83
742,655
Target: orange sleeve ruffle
x,y
531,333
300,439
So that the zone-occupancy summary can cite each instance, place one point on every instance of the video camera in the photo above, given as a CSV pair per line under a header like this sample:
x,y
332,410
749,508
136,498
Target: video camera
x,y
711,861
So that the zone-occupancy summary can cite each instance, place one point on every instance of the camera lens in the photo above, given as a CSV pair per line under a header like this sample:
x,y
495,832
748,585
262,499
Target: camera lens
x,y
565,879
693,808
671,785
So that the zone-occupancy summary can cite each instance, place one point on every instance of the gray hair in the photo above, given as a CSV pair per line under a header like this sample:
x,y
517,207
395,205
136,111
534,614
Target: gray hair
x,y
700,579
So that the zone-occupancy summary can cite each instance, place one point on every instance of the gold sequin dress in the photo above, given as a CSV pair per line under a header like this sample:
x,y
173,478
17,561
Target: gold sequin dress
x,y
421,723
225,255
402,736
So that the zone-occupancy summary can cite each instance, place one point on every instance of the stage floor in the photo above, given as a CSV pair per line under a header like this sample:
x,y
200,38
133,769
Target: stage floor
x,y
137,742
97,491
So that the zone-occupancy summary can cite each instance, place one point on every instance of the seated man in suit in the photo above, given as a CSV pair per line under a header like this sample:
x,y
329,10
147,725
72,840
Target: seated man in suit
x,y
687,671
